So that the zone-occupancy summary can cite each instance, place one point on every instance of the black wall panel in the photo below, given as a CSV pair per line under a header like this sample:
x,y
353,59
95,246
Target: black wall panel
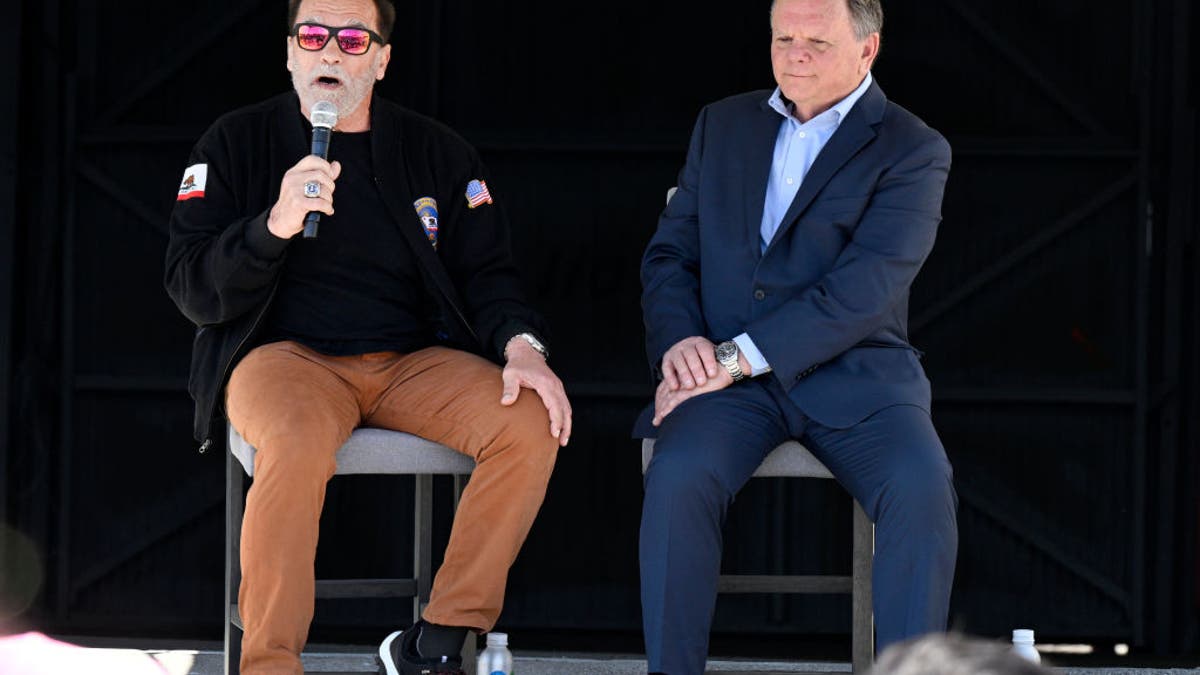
x,y
1042,310
9,79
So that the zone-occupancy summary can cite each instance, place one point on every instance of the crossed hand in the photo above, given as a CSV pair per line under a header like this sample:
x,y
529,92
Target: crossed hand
x,y
690,368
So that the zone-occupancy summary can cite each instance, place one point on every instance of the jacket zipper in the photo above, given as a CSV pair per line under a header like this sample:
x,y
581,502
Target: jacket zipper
x,y
225,373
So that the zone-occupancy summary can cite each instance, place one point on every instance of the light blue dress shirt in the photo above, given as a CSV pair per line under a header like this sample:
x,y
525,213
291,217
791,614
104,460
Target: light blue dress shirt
x,y
796,148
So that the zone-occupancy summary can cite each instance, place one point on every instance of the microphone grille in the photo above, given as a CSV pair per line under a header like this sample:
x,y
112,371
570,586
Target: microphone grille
x,y
324,114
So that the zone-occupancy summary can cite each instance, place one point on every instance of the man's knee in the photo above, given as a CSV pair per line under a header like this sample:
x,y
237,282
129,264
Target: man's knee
x,y
526,430
921,485
680,473
291,439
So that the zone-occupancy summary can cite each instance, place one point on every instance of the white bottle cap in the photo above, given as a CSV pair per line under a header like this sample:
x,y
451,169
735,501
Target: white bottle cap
x,y
497,639
1022,635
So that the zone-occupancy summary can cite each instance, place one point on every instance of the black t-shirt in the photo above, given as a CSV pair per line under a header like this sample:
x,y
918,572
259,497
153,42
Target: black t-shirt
x,y
356,288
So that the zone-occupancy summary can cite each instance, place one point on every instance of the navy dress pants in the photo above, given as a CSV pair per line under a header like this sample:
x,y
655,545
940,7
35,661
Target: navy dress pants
x,y
892,463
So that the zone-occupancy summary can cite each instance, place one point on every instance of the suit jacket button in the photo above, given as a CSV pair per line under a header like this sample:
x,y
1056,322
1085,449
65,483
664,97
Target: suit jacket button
x,y
759,294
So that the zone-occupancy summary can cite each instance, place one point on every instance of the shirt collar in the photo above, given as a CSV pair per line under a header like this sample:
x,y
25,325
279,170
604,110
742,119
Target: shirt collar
x,y
836,113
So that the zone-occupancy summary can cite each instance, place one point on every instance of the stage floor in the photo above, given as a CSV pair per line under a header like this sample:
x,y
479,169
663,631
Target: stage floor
x,y
356,659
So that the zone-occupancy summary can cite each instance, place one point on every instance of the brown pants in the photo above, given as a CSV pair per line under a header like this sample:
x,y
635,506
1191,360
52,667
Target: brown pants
x,y
297,407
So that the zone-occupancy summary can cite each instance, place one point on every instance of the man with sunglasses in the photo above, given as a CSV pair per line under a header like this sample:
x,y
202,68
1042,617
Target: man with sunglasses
x,y
383,320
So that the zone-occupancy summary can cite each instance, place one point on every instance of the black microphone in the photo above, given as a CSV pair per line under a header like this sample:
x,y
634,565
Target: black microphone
x,y
324,117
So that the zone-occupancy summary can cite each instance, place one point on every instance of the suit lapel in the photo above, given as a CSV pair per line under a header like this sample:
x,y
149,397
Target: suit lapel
x,y
855,131
760,153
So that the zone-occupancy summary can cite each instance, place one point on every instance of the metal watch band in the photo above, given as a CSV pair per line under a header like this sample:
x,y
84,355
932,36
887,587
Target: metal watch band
x,y
533,342
735,370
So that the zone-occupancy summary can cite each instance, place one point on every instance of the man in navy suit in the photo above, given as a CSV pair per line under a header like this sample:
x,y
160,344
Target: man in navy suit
x,y
776,307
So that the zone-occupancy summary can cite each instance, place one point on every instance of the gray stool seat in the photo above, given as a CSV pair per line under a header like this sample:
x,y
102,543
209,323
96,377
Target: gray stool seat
x,y
367,451
788,460
378,451
793,460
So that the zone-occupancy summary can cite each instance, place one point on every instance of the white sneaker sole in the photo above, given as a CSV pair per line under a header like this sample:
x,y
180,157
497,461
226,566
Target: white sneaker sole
x,y
385,653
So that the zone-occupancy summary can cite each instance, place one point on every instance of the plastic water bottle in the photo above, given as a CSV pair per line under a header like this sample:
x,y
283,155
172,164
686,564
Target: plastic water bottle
x,y
1023,645
495,659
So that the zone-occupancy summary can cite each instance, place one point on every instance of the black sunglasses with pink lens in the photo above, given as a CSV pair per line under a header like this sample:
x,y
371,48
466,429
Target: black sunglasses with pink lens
x,y
350,39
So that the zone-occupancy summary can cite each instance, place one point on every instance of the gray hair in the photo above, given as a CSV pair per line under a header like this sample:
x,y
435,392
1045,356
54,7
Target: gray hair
x,y
865,15
953,655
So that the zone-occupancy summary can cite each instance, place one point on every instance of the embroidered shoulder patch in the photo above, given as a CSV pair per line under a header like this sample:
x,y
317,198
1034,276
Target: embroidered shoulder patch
x,y
428,213
194,180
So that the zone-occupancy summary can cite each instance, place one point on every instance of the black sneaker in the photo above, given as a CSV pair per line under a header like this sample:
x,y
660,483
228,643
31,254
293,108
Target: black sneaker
x,y
398,656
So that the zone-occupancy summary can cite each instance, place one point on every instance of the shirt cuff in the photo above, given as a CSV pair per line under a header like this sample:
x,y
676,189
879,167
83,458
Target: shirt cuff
x,y
758,363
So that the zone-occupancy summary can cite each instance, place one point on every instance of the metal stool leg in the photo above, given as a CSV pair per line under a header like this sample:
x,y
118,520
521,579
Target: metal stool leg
x,y
234,506
862,629
470,649
422,541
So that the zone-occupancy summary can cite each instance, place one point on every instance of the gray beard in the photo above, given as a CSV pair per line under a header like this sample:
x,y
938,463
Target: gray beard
x,y
346,100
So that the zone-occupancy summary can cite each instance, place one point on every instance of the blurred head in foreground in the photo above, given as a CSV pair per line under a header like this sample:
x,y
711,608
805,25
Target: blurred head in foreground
x,y
953,654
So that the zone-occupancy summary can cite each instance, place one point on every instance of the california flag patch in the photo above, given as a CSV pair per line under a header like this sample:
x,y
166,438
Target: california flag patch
x,y
193,183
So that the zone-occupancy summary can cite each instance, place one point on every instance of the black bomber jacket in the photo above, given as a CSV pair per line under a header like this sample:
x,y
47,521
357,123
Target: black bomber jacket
x,y
221,282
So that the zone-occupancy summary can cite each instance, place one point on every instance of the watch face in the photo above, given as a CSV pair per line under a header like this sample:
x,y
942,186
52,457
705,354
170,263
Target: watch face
x,y
726,351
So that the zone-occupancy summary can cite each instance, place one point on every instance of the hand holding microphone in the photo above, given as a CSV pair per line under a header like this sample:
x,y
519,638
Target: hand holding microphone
x,y
306,190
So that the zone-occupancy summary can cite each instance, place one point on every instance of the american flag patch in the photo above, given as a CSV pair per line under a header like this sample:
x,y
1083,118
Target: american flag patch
x,y
477,194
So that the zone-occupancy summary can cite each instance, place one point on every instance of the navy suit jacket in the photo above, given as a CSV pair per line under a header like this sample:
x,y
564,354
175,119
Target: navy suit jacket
x,y
827,302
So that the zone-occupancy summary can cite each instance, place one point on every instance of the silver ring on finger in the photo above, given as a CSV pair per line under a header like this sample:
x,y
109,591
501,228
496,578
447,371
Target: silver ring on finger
x,y
312,189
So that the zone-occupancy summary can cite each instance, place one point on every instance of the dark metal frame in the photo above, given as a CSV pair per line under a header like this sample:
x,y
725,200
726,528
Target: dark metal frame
x,y
47,65
1170,624
63,588
1143,38
10,57
857,585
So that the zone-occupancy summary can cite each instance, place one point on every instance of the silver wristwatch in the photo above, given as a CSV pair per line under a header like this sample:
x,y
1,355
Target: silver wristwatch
x,y
727,355
533,342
